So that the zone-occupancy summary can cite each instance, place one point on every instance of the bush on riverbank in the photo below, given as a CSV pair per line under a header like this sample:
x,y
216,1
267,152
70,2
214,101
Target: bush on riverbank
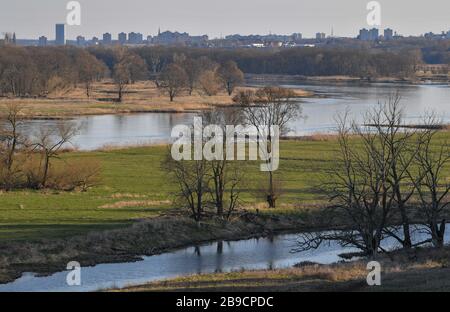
x,y
28,161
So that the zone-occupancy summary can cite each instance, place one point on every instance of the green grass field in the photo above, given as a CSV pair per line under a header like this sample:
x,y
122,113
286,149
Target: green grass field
x,y
134,186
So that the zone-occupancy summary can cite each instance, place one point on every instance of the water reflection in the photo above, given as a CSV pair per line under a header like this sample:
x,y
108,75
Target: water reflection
x,y
264,253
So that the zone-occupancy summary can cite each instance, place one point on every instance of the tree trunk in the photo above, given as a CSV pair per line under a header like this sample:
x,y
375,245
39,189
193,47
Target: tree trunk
x,y
407,243
437,234
46,166
229,89
120,95
271,199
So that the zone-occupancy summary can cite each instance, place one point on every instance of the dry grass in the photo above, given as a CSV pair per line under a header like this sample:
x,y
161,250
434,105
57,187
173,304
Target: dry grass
x,y
127,195
136,203
315,137
139,97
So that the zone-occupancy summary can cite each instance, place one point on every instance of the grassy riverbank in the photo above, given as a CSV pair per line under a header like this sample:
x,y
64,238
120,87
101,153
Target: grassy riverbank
x,y
133,186
138,98
130,213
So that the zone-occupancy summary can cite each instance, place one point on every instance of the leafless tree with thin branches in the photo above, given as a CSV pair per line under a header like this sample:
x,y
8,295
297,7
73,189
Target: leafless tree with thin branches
x,y
49,141
430,181
11,140
226,175
192,178
269,106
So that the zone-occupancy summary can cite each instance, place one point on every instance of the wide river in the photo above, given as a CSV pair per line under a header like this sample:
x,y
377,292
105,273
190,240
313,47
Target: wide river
x,y
318,113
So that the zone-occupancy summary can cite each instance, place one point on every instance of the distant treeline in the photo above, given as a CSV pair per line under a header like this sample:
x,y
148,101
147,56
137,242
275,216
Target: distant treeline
x,y
294,61
37,71
437,54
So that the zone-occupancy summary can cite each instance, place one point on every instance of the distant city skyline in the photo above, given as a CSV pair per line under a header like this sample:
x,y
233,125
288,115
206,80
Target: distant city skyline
x,y
198,17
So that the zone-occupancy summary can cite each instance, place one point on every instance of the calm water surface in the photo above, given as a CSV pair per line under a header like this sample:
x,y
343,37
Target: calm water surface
x,y
263,253
318,113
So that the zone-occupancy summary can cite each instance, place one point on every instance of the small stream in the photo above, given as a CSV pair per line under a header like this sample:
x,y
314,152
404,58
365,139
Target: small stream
x,y
249,254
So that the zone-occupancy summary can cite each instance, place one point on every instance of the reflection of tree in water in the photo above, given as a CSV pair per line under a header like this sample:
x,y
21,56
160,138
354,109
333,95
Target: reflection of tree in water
x,y
220,247
219,257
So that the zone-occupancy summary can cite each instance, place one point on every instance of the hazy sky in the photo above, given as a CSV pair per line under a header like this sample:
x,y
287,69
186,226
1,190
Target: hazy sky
x,y
32,18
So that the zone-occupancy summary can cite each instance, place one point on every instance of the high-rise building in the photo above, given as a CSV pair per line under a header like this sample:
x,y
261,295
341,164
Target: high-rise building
x,y
369,35
388,34
320,36
363,34
107,38
448,34
60,34
374,34
42,41
122,38
296,37
135,38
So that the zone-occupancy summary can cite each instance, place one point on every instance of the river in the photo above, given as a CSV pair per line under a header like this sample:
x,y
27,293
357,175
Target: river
x,y
318,113
250,254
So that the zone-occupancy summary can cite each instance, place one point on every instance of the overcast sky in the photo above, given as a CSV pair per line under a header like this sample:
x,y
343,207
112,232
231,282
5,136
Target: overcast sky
x,y
32,18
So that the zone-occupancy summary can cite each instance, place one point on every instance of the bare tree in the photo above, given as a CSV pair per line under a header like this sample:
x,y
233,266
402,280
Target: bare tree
x,y
387,121
90,69
431,182
128,69
192,178
49,142
209,82
173,80
269,106
231,76
226,175
11,140
193,70
360,191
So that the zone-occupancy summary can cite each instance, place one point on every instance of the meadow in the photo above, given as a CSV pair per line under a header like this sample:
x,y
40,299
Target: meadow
x,y
134,186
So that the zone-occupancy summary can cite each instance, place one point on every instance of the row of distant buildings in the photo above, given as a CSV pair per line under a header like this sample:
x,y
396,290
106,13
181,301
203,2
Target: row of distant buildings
x,y
132,38
442,35
374,35
231,41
